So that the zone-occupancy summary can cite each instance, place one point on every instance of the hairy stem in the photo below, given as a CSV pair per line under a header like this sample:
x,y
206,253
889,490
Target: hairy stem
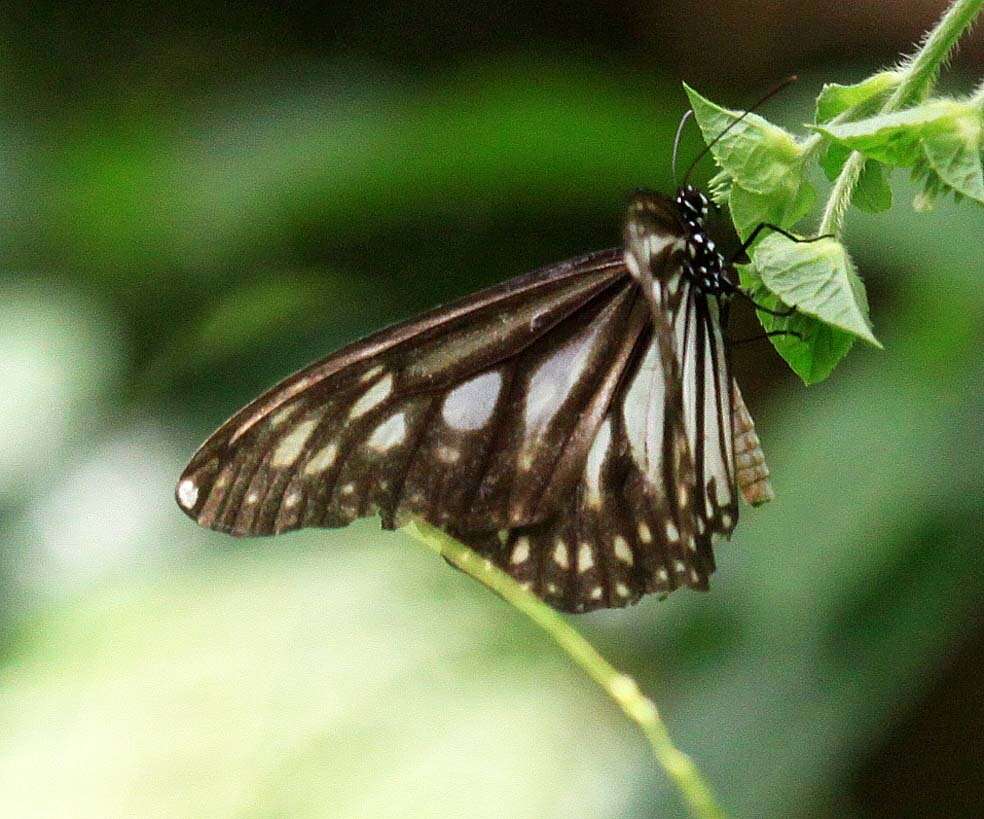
x,y
918,77
620,687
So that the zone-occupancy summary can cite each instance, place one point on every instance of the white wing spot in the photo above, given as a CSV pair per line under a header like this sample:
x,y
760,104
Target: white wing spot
x,y
348,489
291,500
722,492
585,558
560,554
187,493
594,462
596,593
551,588
292,445
552,381
448,454
470,406
252,498
369,375
390,433
622,590
694,577
662,575
684,496
622,550
692,545
679,567
726,521
373,397
521,551
645,535
324,458
283,414
672,533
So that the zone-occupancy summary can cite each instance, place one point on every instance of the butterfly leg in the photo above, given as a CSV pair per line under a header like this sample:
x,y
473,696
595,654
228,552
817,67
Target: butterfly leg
x,y
780,313
775,229
770,334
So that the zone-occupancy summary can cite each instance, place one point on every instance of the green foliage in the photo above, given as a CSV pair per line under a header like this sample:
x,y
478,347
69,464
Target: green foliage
x,y
764,166
941,140
820,281
860,133
835,99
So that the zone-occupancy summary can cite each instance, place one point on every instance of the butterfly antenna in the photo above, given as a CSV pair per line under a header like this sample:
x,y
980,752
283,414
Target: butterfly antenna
x,y
765,98
676,142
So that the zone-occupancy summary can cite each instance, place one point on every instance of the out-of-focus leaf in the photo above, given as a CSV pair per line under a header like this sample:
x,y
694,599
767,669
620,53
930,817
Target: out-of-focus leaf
x,y
290,681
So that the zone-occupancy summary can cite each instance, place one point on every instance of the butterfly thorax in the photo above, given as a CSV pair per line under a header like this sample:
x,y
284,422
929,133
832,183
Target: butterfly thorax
x,y
704,265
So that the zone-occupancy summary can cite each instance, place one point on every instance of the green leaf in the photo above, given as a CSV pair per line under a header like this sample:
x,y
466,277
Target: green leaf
x,y
758,155
942,140
818,279
873,193
820,347
835,98
749,210
956,158
832,160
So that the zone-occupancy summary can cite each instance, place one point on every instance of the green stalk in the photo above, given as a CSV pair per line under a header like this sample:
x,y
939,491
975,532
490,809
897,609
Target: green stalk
x,y
620,687
919,75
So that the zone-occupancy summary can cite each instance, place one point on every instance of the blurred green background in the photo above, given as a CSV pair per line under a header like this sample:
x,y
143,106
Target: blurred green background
x,y
195,203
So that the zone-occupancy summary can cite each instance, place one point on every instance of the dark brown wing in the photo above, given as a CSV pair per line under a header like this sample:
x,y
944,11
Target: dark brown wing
x,y
468,414
550,422
628,526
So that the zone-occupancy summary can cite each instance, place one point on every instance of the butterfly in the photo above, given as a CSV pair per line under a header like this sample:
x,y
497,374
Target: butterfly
x,y
578,426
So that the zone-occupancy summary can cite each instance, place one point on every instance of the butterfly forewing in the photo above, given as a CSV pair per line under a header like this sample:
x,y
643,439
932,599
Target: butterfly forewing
x,y
403,421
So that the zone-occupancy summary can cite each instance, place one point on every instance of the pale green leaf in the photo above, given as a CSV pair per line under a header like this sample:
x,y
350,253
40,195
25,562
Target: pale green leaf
x,y
956,158
819,347
896,139
749,210
818,279
835,98
758,155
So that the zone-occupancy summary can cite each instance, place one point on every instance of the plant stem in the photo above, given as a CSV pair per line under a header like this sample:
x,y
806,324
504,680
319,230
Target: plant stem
x,y
918,77
620,687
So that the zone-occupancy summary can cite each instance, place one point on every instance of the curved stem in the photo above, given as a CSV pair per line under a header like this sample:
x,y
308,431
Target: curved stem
x,y
620,687
918,76
840,195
